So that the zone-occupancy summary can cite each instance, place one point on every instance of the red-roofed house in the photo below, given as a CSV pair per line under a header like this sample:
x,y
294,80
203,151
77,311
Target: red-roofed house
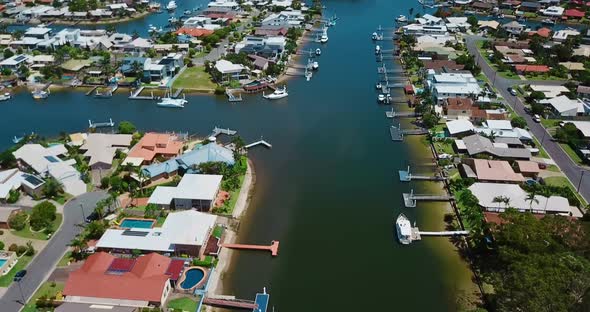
x,y
105,279
154,144
543,32
574,13
523,69
194,32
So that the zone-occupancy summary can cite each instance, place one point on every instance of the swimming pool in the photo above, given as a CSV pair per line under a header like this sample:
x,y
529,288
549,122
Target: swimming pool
x,y
137,223
2,262
192,277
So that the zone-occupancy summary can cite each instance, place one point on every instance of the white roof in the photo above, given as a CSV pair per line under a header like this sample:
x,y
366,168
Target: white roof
x,y
499,124
459,126
10,179
456,88
460,145
15,60
583,126
101,147
187,227
35,31
225,67
134,161
192,186
548,90
486,192
564,105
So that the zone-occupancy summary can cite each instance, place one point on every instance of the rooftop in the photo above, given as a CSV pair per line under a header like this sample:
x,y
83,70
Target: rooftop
x,y
192,186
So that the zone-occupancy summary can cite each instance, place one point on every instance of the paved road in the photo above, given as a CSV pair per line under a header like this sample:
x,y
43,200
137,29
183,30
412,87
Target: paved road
x,y
44,263
567,166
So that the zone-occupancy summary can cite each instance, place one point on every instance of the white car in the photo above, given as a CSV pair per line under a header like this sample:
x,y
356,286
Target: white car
x,y
537,118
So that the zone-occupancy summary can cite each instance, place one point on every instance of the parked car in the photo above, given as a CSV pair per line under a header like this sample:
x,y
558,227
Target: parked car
x,y
92,217
512,91
19,275
537,118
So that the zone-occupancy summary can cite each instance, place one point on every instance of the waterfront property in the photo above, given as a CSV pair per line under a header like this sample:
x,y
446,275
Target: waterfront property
x,y
490,170
100,148
154,145
129,223
197,191
14,179
191,279
105,279
183,232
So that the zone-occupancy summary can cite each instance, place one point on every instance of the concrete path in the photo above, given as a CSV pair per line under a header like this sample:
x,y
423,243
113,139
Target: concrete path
x,y
44,262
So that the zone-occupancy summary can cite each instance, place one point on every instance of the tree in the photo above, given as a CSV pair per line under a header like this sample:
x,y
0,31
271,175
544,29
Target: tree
x,y
8,53
238,147
95,229
7,159
18,221
518,121
104,182
570,134
151,211
2,245
30,249
430,120
472,20
532,198
52,187
42,215
535,96
126,127
13,196
6,72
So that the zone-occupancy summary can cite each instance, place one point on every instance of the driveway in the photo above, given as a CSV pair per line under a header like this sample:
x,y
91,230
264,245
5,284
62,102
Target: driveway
x,y
44,263
576,174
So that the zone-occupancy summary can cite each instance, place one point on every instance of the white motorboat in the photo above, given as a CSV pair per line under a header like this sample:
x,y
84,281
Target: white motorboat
x,y
404,229
154,29
381,98
378,86
548,21
5,97
154,5
188,12
377,49
324,38
171,6
40,94
172,103
318,51
401,19
172,20
374,36
278,94
315,65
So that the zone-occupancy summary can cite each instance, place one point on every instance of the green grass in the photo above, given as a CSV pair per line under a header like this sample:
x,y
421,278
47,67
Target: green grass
x,y
550,123
62,198
231,204
65,259
563,181
194,78
47,289
184,304
160,221
22,263
542,151
218,231
571,153
26,232
443,147
553,168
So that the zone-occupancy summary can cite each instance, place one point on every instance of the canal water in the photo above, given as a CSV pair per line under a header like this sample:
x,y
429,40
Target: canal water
x,y
328,189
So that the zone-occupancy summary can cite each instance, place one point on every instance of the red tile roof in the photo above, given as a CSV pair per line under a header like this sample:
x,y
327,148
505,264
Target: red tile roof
x,y
153,144
543,32
194,32
175,268
145,281
574,13
532,68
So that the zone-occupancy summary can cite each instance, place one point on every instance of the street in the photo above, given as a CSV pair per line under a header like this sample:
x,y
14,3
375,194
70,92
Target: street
x,y
46,260
576,174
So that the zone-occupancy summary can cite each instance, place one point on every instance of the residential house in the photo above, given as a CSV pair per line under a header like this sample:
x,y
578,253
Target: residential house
x,y
460,127
183,232
564,106
442,65
259,62
230,71
38,32
271,31
268,47
563,34
197,191
106,280
550,91
528,6
453,85
479,145
5,214
529,169
294,18
583,127
42,60
553,11
531,69
514,27
428,19
14,179
418,29
574,14
485,170
100,148
155,145
583,92
130,66
15,62
172,62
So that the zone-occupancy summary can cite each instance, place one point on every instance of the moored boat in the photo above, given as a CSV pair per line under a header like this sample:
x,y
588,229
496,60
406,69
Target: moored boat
x,y
324,38
378,86
5,97
171,6
40,94
278,94
401,19
403,229
318,51
315,65
381,98
172,103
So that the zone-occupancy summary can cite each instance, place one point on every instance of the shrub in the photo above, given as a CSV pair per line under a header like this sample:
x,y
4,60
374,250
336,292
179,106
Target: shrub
x,y
18,221
126,127
13,196
21,250
29,249
42,215
1,232
1,245
219,90
13,247
104,182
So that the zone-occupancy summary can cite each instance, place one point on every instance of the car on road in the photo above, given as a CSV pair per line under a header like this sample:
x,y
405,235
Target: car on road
x,y
92,217
19,275
512,91
537,118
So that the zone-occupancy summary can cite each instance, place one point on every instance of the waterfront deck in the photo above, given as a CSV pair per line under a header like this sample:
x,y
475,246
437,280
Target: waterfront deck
x,y
217,131
231,97
394,114
407,176
410,199
135,95
273,247
231,303
260,142
94,125
444,233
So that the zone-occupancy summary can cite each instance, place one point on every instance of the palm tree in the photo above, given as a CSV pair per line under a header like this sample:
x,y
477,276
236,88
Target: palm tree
x,y
531,198
141,176
52,187
498,200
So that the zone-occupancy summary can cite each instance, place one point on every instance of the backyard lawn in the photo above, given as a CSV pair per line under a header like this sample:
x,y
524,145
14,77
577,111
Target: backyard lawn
x,y
48,290
26,232
183,304
195,78
444,147
5,280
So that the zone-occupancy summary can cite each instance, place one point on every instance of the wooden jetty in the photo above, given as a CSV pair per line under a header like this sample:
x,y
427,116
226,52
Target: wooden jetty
x,y
273,247
396,134
444,233
383,70
231,303
217,131
394,114
420,131
177,93
260,142
231,97
95,125
91,90
407,176
410,199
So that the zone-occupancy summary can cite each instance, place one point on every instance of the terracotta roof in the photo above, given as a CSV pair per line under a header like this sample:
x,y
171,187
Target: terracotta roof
x,y
583,89
574,13
528,166
153,144
532,68
194,32
442,64
495,170
144,281
543,32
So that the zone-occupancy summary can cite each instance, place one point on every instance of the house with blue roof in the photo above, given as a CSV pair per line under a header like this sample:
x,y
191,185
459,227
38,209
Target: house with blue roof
x,y
188,162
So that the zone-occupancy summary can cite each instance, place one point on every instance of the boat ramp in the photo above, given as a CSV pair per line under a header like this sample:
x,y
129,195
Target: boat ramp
x,y
417,234
177,93
410,199
407,176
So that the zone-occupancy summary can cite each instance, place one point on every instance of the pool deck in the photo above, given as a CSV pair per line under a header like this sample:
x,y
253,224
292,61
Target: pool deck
x,y
152,223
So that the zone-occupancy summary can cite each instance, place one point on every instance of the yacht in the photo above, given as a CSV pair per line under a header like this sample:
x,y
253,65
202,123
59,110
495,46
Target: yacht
x,y
172,103
381,98
324,38
40,94
172,20
401,19
188,12
278,94
318,51
153,29
377,49
5,97
171,6
548,21
315,65
154,5
374,36
378,86
404,229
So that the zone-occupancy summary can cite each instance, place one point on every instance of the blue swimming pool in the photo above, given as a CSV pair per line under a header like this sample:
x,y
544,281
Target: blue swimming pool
x,y
192,278
137,223
2,262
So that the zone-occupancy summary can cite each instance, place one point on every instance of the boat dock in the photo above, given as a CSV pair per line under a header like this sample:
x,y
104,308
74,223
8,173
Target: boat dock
x,y
177,93
396,134
394,114
231,97
135,95
273,247
95,125
407,176
91,90
217,131
444,233
260,142
416,131
230,303
410,199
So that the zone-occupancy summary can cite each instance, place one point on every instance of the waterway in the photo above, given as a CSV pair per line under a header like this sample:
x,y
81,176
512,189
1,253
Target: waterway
x,y
328,189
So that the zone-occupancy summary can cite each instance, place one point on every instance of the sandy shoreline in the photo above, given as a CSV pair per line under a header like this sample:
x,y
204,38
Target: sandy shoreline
x,y
216,285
